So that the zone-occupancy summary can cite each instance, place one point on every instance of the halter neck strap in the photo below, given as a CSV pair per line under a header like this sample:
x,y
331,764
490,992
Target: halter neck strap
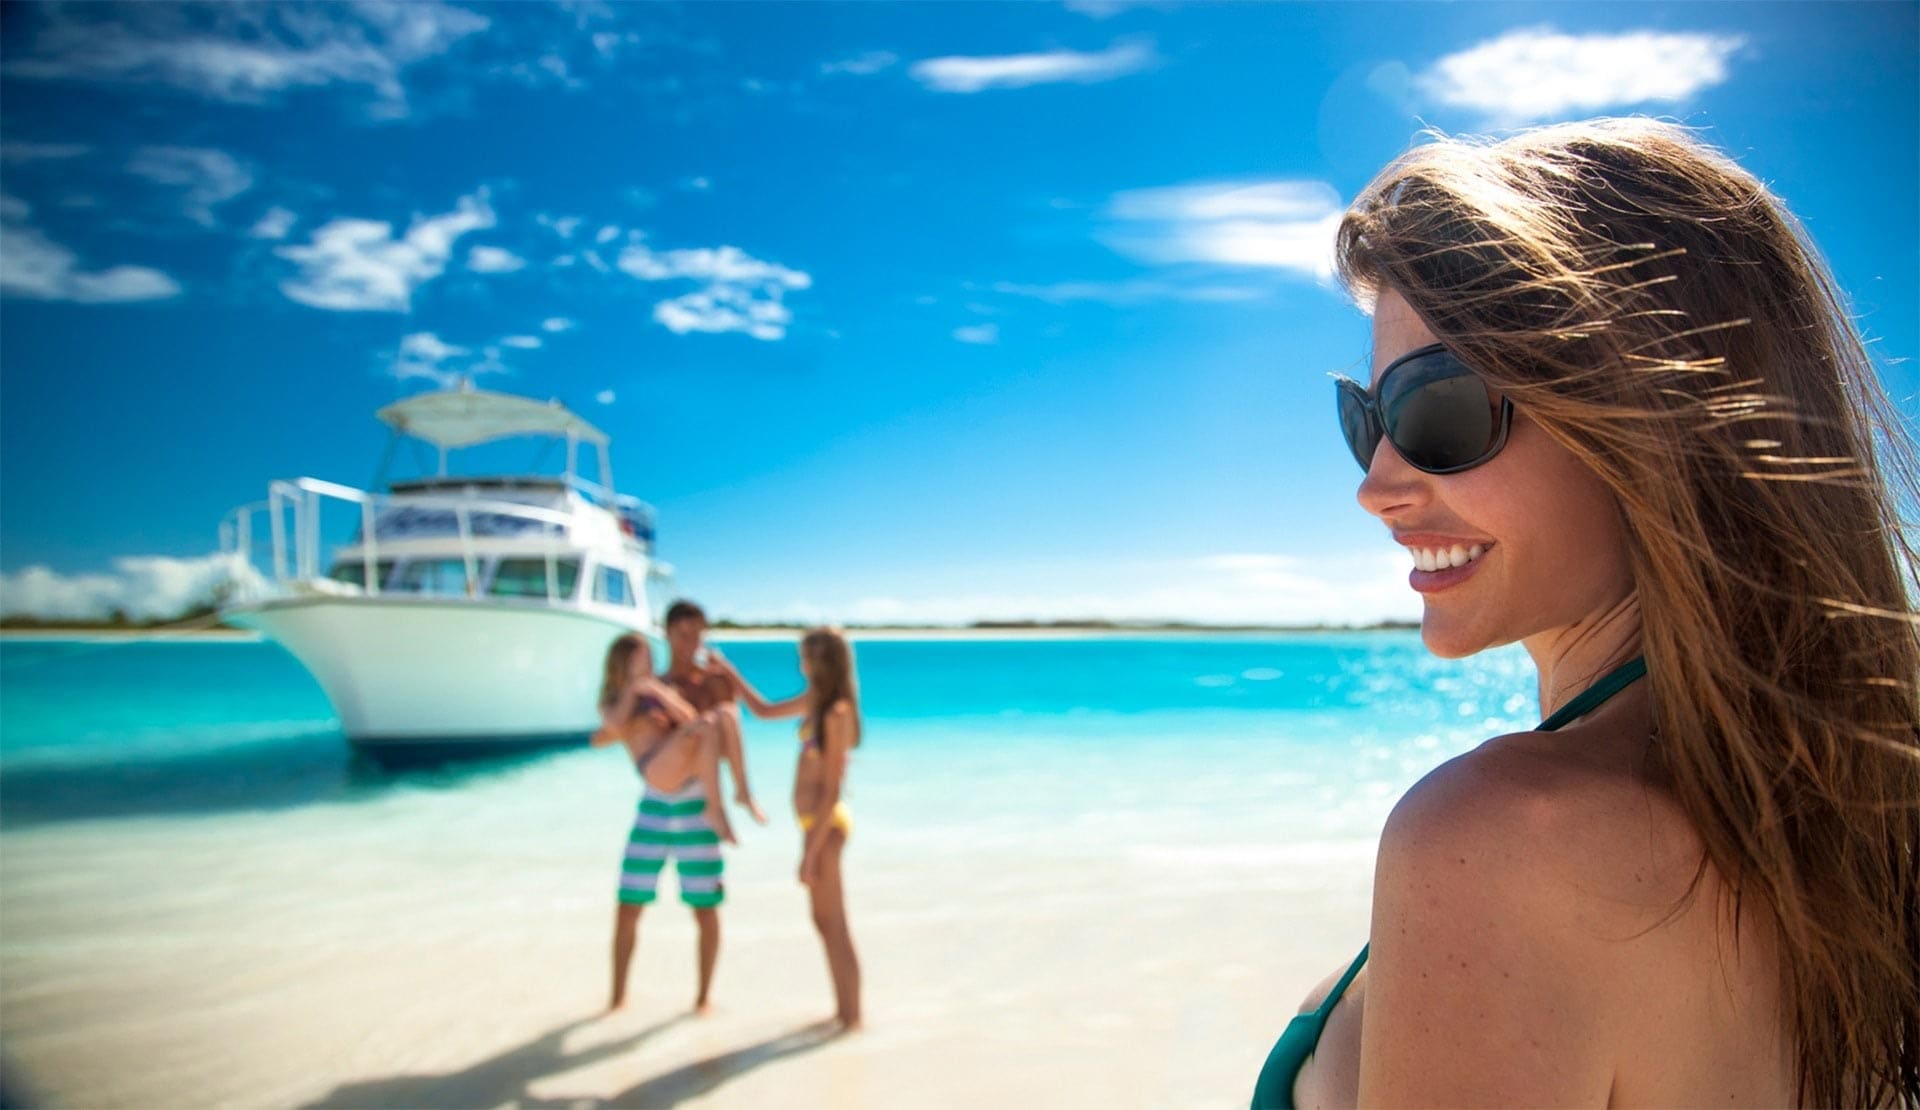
x,y
1611,683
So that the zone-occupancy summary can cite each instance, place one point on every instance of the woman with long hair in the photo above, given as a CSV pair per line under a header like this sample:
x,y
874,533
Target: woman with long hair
x,y
1619,414
829,712
680,817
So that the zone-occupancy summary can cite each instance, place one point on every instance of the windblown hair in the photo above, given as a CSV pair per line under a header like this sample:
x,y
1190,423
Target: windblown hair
x,y
619,659
1652,307
830,662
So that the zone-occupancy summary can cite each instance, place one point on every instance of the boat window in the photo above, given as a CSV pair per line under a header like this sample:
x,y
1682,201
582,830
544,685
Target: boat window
x,y
610,586
528,578
432,576
353,571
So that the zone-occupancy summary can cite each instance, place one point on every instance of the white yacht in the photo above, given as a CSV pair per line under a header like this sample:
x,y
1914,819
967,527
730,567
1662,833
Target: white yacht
x,y
461,613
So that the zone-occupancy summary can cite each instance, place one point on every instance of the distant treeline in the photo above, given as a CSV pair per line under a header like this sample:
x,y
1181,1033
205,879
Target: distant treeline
x,y
202,616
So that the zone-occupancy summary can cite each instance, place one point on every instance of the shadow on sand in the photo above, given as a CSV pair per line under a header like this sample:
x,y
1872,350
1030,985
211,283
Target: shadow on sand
x,y
703,1076
496,1081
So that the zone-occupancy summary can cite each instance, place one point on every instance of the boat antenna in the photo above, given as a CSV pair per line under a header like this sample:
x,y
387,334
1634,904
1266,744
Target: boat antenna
x,y
386,460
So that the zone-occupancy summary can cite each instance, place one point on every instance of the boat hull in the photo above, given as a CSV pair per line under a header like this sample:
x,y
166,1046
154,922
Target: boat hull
x,y
419,679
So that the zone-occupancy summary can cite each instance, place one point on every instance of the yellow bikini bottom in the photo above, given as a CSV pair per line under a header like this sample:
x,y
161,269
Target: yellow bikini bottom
x,y
842,819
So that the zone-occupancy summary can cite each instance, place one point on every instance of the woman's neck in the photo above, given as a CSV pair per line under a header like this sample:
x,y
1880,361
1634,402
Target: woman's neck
x,y
1570,659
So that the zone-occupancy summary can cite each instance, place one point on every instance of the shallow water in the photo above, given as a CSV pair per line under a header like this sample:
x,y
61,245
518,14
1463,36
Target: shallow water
x,y
207,900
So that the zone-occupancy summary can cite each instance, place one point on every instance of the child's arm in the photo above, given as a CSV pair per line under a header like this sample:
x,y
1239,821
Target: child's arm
x,y
761,707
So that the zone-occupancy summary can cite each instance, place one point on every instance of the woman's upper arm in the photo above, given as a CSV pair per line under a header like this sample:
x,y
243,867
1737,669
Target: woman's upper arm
x,y
1483,976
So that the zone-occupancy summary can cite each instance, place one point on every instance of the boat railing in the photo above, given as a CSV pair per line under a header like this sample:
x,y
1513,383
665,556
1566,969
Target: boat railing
x,y
293,510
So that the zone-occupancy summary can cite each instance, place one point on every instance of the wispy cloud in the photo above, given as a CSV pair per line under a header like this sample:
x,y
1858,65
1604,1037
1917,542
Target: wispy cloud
x,y
739,292
1539,73
245,53
1105,9
522,342
1275,225
860,65
556,324
17,152
32,265
979,334
204,177
1135,291
424,354
355,265
563,226
604,397
145,587
274,223
960,74
494,260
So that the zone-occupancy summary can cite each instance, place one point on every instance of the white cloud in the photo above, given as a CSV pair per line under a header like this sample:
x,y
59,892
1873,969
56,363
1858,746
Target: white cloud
x,y
861,65
354,265
981,334
1538,73
721,308
563,226
741,293
493,260
273,224
557,324
1356,588
423,354
205,177
605,396
1014,71
1278,225
145,587
1135,291
1102,9
606,235
521,342
40,152
245,53
31,265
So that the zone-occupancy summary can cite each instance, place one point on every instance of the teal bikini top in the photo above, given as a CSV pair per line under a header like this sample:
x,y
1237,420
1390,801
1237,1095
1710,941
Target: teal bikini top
x,y
1274,1088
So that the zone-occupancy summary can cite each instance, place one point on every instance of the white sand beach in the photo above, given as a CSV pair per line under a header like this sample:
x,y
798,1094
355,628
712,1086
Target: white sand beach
x,y
459,959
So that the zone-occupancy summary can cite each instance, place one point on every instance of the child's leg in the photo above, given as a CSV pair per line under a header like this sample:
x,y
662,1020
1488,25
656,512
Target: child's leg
x,y
733,751
707,767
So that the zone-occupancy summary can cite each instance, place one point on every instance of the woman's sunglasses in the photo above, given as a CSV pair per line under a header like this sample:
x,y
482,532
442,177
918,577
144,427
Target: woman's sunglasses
x,y
1435,411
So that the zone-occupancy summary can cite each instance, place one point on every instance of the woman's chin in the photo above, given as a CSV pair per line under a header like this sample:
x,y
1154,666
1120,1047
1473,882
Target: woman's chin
x,y
1447,639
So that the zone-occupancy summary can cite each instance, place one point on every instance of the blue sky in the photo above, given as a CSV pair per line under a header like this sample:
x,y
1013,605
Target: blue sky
x,y
895,311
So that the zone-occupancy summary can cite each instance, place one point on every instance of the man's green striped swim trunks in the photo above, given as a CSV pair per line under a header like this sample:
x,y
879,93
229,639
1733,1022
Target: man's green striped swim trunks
x,y
673,826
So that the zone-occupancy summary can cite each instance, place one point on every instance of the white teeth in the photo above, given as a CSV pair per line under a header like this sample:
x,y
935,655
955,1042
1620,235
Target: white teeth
x,y
1443,558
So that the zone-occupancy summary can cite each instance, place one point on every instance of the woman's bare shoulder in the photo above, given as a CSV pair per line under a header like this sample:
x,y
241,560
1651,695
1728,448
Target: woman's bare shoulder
x,y
1560,821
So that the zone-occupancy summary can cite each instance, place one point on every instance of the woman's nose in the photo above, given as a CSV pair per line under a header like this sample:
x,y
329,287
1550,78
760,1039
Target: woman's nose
x,y
1391,487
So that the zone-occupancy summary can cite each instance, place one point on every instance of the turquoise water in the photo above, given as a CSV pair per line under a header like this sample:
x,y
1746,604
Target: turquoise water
x,y
1097,853
1284,724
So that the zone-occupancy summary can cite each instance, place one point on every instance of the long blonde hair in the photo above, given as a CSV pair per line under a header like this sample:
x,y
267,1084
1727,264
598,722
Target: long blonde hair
x,y
831,679
1656,310
613,677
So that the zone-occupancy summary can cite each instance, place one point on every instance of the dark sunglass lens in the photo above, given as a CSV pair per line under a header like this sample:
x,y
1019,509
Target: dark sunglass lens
x,y
1439,414
1356,426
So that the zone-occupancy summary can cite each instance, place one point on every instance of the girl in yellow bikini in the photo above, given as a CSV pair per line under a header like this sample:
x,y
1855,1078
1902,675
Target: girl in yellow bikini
x,y
829,712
